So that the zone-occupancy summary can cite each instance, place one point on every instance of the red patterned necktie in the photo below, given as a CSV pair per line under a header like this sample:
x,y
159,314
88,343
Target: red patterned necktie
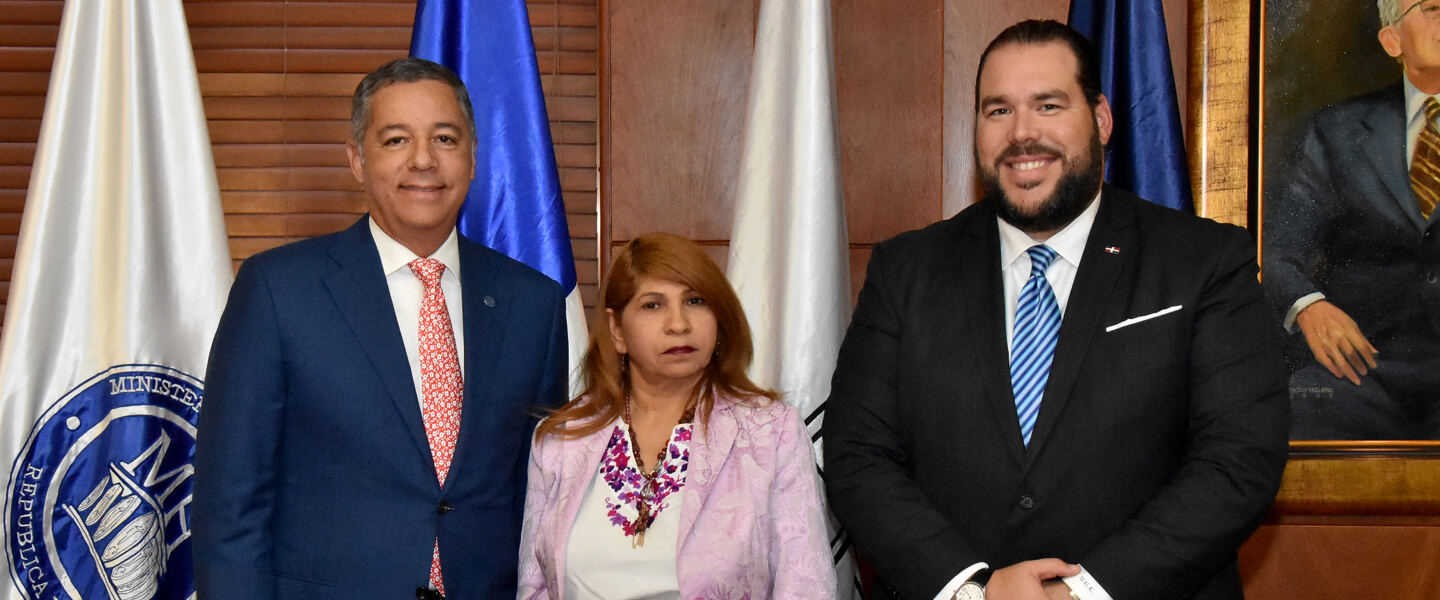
x,y
441,384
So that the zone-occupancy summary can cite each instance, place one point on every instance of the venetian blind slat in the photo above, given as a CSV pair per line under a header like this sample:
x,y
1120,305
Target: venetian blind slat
x,y
31,12
279,84
12,200
293,201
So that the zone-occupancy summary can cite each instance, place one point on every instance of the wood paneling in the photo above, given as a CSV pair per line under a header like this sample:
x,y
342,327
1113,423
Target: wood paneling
x,y
677,83
888,67
1393,560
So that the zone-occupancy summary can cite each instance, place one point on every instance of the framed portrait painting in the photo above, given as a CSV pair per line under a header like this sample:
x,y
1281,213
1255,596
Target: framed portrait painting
x,y
1303,125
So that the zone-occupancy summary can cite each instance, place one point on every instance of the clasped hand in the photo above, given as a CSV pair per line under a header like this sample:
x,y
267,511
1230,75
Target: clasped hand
x,y
1031,580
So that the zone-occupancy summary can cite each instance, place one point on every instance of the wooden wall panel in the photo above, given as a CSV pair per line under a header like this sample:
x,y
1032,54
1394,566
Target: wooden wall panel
x,y
1393,560
888,67
276,79
675,109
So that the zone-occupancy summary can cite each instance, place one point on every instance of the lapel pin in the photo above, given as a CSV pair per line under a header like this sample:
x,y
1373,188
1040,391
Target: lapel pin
x,y
490,302
1112,249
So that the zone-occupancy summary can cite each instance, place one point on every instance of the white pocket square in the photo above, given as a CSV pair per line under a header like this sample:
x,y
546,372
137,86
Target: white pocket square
x,y
1128,322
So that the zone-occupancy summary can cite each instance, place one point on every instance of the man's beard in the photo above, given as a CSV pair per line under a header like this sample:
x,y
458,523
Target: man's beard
x,y
1073,193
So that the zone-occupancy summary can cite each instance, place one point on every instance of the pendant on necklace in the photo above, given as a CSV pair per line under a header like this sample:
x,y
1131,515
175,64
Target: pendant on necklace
x,y
642,522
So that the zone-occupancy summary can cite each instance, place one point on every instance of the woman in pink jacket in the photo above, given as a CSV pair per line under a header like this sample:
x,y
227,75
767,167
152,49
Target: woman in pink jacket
x,y
672,475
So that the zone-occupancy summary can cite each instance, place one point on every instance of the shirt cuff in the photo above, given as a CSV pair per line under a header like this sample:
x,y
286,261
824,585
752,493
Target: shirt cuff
x,y
948,592
1085,587
1300,305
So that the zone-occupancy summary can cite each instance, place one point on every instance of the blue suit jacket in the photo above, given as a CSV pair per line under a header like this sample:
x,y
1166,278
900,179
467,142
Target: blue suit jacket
x,y
313,476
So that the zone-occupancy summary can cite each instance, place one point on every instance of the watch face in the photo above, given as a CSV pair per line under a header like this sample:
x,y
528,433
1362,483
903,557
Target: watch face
x,y
970,591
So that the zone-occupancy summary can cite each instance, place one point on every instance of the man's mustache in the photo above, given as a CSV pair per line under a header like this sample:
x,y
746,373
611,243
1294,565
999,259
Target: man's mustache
x,y
1028,149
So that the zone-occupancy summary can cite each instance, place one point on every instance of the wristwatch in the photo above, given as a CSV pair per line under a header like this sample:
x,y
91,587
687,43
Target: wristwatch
x,y
969,591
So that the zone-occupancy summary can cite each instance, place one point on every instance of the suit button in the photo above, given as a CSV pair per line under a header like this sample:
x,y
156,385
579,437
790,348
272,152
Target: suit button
x,y
1027,502
443,508
1430,277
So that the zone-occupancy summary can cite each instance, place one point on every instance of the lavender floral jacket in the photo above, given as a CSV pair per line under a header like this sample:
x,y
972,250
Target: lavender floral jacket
x,y
751,525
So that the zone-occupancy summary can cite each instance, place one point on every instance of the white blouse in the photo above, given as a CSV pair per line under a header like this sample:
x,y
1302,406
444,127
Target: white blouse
x,y
604,561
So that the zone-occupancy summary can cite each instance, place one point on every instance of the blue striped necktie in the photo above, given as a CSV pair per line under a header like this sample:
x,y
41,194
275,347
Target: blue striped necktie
x,y
1037,328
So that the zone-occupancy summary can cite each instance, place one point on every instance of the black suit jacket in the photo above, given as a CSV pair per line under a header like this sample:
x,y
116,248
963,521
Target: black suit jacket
x,y
313,473
1346,223
1158,445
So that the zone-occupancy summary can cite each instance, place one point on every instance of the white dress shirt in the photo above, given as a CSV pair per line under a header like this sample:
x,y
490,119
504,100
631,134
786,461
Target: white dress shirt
x,y
1069,244
407,293
1414,124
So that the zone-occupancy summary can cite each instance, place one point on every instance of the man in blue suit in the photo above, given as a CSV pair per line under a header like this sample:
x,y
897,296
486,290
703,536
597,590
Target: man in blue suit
x,y
330,463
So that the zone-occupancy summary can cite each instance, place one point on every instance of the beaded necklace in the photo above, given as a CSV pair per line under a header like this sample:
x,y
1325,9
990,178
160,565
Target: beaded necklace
x,y
648,491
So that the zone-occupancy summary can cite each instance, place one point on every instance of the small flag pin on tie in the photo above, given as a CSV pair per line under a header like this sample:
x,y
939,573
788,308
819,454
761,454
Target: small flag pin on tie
x,y
1112,249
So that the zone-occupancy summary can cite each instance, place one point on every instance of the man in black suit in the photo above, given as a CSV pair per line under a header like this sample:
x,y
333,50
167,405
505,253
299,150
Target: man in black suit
x,y
1161,428
1352,251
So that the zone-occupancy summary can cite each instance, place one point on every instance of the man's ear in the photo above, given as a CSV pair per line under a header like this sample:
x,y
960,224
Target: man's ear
x,y
1390,41
1104,121
357,162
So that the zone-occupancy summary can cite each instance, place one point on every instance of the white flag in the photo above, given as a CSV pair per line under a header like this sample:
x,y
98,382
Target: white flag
x,y
120,276
789,252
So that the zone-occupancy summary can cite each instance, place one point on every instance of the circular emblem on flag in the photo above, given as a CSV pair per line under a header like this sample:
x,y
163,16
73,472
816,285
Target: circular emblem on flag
x,y
98,501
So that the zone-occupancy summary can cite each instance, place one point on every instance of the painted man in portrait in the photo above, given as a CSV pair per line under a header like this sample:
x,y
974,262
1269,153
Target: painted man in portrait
x,y
1351,249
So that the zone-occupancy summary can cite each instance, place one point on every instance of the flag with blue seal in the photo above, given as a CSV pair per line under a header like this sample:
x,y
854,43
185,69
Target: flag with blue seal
x,y
121,272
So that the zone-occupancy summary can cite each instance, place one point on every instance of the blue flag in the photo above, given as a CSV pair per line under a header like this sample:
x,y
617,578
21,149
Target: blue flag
x,y
514,205
1146,153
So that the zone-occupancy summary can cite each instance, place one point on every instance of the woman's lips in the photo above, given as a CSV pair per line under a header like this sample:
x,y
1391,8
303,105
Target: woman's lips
x,y
680,350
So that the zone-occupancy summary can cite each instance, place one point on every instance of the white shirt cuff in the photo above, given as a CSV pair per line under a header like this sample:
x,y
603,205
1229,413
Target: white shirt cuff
x,y
949,590
1300,305
1085,586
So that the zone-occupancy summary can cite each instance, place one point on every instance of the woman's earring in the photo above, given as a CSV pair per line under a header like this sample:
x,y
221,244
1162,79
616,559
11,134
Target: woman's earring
x,y
624,363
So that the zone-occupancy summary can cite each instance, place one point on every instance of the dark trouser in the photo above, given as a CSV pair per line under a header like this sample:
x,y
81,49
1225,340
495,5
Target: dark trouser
x,y
1398,400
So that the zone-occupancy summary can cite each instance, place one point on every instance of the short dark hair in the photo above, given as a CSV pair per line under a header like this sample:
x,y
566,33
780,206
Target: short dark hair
x,y
405,70
1035,32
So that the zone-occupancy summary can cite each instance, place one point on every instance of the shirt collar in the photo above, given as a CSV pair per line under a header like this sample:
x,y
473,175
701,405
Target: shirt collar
x,y
1414,101
395,256
1069,242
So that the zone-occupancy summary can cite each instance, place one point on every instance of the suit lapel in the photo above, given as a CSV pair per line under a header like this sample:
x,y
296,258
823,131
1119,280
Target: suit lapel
x,y
977,271
1387,156
486,306
359,290
1094,283
709,447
